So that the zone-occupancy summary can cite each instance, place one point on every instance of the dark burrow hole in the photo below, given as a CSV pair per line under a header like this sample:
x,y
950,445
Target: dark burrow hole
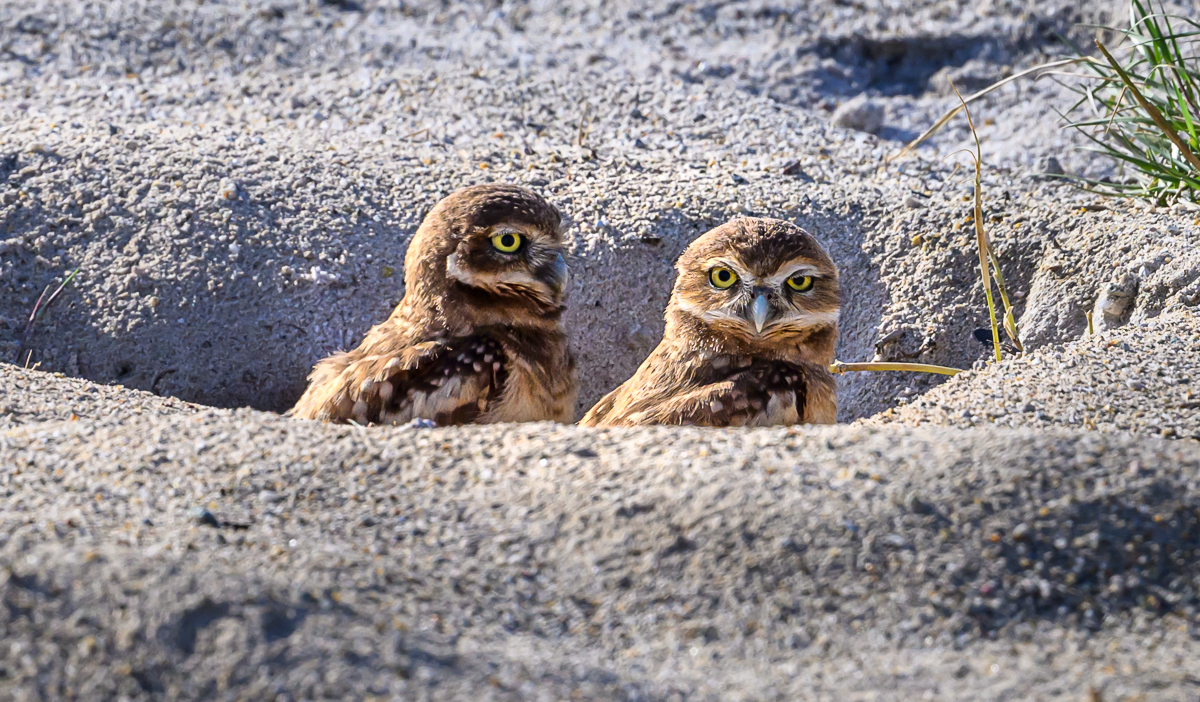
x,y
900,66
905,65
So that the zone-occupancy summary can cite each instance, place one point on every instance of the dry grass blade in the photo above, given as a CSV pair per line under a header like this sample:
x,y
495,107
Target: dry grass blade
x,y
838,367
1157,134
585,124
43,303
59,290
987,256
944,119
37,308
981,239
1010,320
410,135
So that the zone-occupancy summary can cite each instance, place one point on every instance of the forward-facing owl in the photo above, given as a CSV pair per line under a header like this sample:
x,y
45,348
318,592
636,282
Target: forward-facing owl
x,y
750,332
478,336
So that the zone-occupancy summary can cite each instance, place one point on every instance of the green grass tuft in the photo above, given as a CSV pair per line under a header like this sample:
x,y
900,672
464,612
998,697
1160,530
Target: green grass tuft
x,y
1144,105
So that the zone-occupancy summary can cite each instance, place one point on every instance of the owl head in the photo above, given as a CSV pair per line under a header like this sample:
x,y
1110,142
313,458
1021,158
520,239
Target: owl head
x,y
757,285
488,254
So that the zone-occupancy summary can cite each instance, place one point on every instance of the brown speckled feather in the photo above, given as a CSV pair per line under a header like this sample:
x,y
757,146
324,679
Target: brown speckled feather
x,y
742,392
714,367
478,336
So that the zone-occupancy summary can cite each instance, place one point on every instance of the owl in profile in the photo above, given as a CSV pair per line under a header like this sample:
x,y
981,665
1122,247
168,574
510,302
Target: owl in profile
x,y
750,333
478,337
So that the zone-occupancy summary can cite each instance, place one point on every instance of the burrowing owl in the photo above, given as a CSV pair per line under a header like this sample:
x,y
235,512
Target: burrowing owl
x,y
750,332
478,336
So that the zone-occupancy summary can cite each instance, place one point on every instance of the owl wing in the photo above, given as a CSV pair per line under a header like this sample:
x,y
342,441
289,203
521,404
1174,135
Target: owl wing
x,y
600,413
766,394
449,382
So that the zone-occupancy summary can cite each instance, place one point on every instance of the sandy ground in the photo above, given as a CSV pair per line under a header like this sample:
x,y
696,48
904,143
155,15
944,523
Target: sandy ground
x,y
237,184
234,554
1138,378
239,209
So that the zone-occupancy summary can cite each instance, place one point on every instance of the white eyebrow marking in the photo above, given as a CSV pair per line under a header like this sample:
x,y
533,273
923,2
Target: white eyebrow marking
x,y
456,271
804,320
486,280
791,269
742,273
795,321
708,314
533,234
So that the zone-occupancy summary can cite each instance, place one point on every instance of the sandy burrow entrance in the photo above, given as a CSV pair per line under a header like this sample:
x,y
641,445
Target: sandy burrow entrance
x,y
225,246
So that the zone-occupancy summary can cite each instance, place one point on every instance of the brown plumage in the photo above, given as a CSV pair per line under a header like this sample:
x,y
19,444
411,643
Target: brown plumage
x,y
750,332
478,336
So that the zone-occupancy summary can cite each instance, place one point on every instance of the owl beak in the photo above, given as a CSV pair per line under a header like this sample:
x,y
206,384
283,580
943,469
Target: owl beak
x,y
558,275
760,310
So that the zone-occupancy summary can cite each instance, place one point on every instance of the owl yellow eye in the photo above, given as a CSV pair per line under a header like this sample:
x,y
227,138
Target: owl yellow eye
x,y
507,242
800,283
722,278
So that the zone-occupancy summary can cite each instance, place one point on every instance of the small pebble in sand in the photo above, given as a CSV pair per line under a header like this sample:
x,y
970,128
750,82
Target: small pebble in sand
x,y
1048,166
203,517
227,190
859,113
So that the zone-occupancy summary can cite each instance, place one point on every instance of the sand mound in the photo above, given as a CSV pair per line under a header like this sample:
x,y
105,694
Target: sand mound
x,y
1140,378
531,561
217,263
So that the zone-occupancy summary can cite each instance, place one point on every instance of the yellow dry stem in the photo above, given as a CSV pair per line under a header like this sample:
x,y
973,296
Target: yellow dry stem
x,y
839,367
944,119
980,234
